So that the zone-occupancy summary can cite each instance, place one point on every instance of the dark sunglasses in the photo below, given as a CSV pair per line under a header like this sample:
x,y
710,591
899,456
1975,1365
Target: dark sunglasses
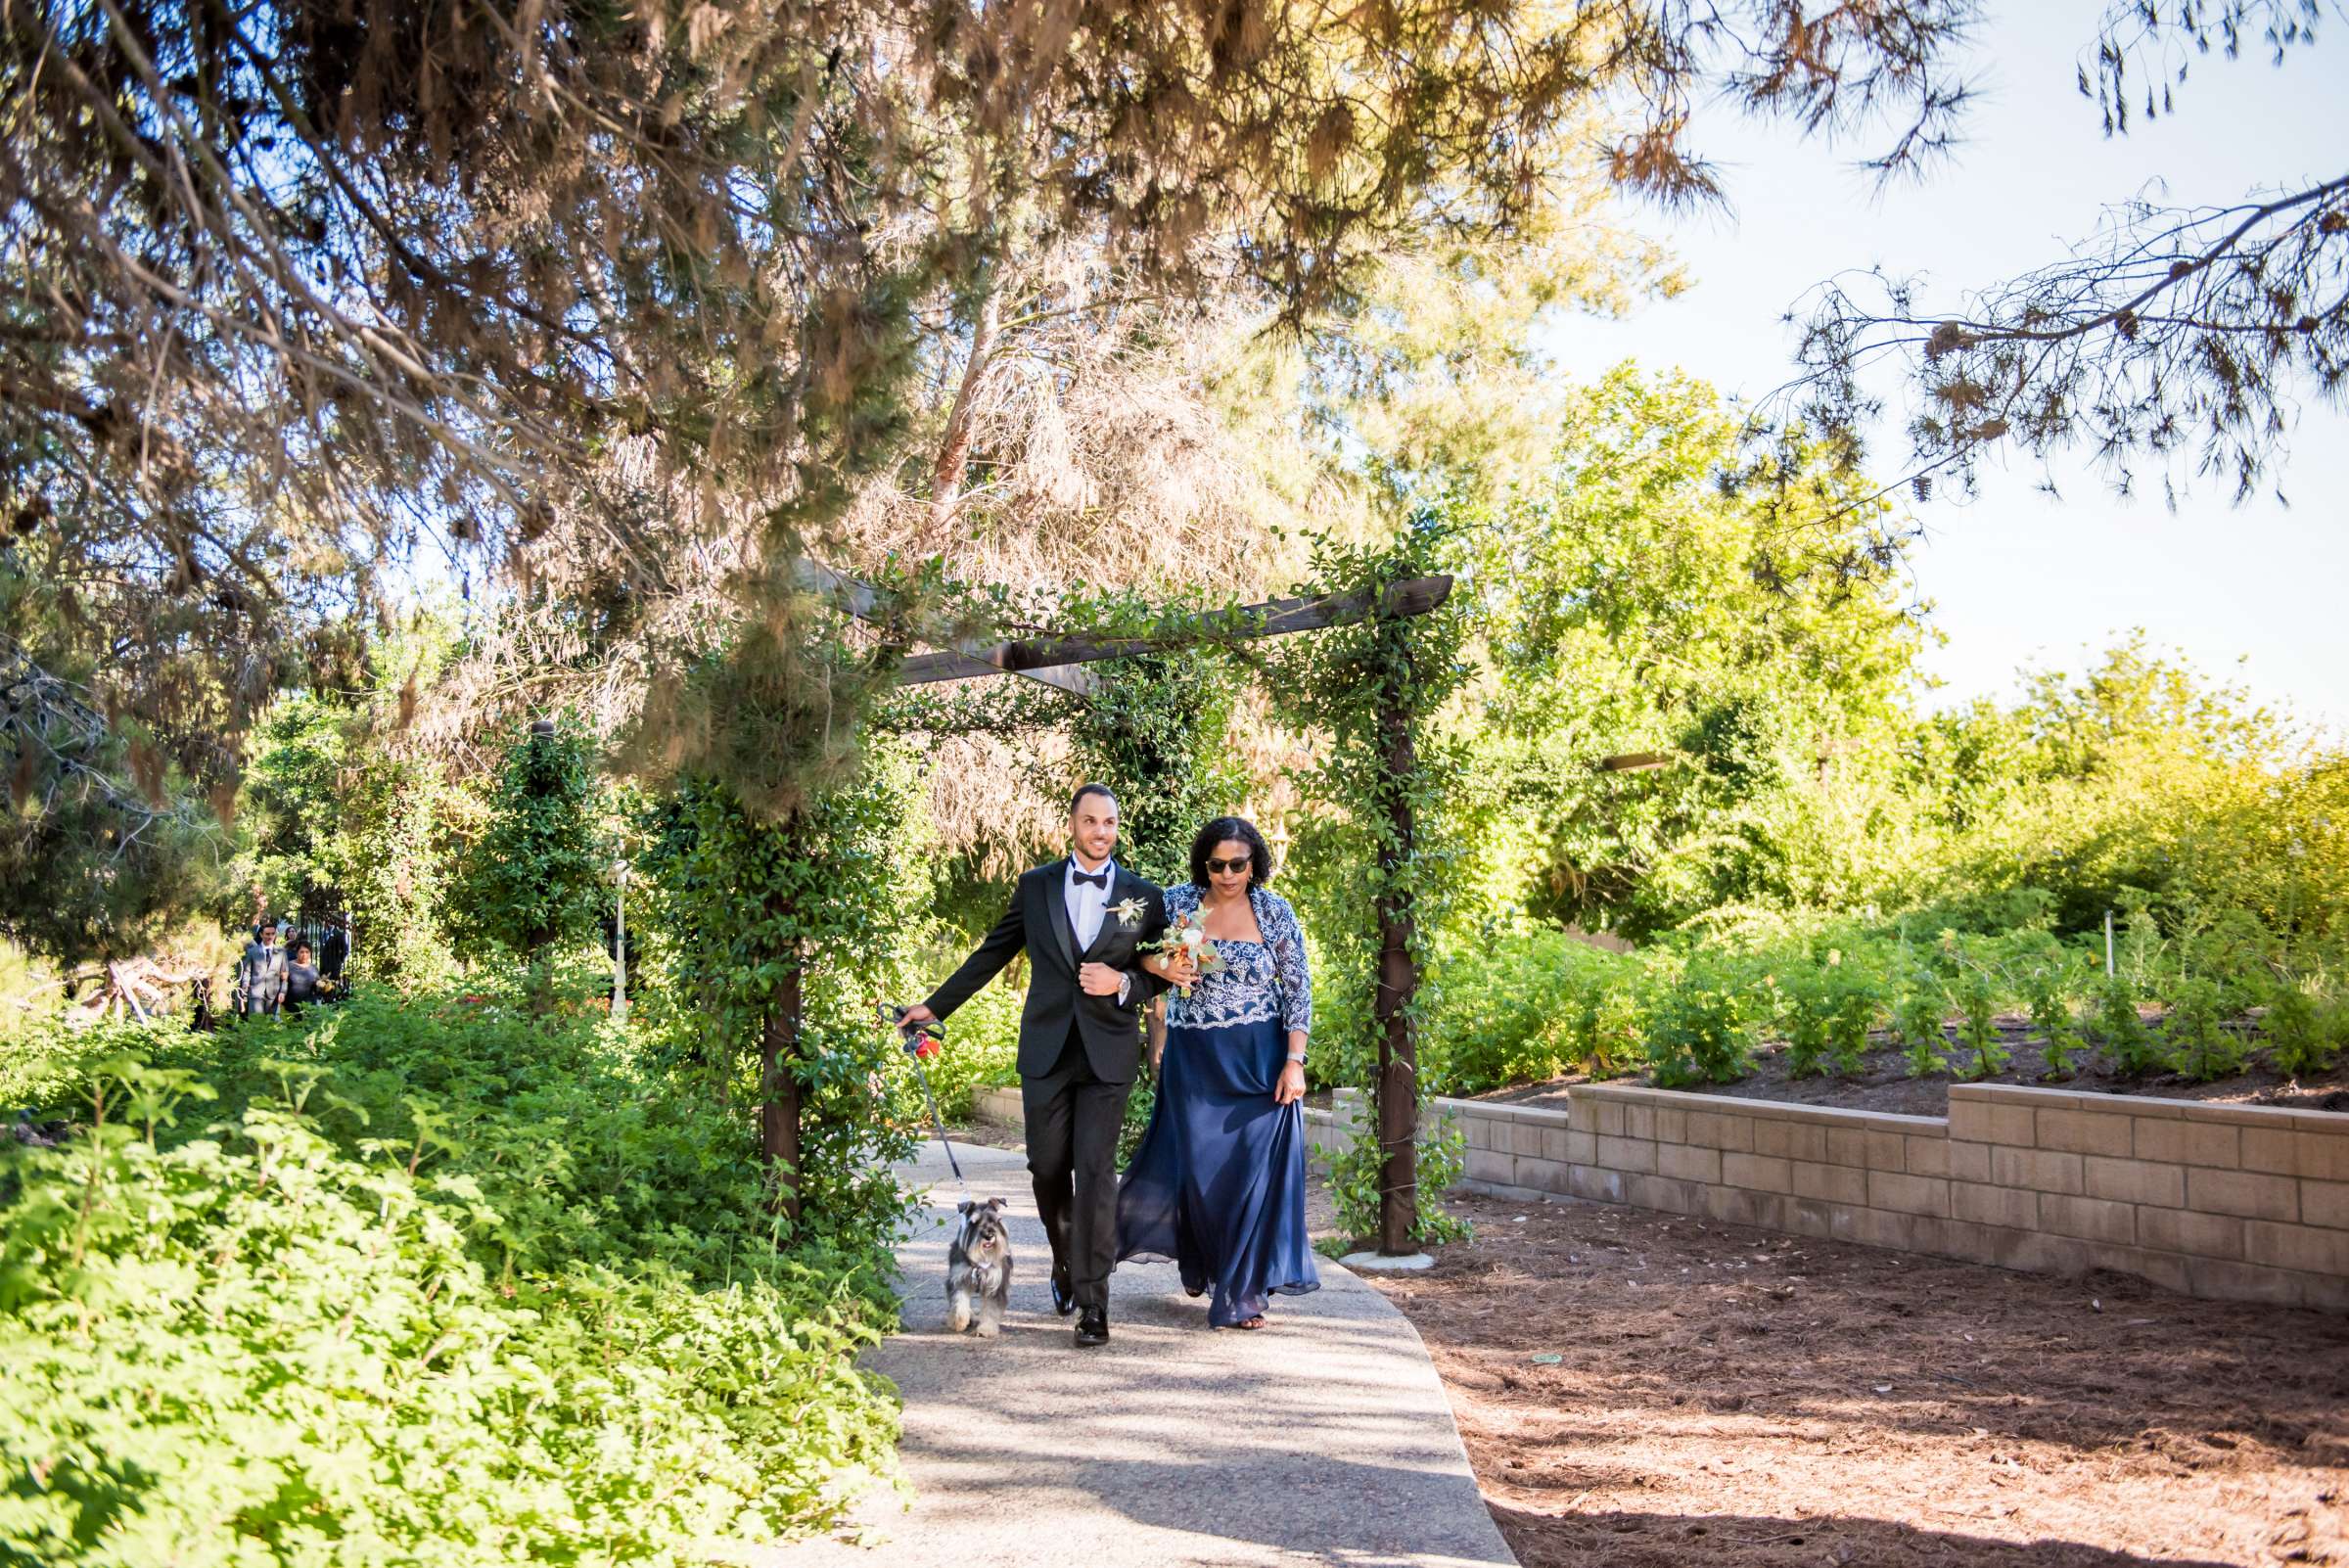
x,y
1241,864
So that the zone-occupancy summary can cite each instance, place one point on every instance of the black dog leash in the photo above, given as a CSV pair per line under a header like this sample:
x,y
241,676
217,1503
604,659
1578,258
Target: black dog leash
x,y
912,1040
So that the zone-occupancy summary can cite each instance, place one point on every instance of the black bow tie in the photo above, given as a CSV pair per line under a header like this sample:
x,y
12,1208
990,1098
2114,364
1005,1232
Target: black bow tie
x,y
1098,879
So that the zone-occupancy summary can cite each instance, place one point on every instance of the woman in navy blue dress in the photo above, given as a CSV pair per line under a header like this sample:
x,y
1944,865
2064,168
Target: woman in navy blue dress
x,y
1219,1181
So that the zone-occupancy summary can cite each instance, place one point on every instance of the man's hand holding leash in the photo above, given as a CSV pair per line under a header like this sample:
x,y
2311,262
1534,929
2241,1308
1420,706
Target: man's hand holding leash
x,y
921,1034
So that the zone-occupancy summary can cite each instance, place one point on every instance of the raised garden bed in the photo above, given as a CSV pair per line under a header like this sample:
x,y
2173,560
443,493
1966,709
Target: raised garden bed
x,y
1884,1084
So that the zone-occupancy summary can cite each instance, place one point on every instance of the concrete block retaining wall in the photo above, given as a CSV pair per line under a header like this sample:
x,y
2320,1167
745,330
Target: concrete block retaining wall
x,y
999,1105
2246,1203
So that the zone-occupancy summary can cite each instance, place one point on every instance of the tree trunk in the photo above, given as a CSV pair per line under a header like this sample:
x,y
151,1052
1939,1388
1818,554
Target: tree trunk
x,y
1397,1107
954,450
538,970
779,1095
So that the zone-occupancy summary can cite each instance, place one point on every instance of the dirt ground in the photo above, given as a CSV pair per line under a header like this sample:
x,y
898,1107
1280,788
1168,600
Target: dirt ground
x,y
1884,1084
1643,1389
1730,1398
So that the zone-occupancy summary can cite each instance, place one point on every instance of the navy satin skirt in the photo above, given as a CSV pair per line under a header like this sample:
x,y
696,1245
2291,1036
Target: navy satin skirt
x,y
1217,1184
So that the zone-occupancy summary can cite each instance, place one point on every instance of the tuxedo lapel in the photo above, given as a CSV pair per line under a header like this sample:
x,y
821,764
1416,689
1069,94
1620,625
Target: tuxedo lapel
x,y
1121,888
1056,912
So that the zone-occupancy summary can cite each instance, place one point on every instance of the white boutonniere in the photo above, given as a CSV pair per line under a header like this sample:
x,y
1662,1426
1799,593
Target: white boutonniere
x,y
1129,914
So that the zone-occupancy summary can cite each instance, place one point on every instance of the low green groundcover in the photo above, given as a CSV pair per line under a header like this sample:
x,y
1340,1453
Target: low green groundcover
x,y
415,1283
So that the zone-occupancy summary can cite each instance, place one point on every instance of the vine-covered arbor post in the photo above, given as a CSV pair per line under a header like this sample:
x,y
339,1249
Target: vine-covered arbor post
x,y
1396,1102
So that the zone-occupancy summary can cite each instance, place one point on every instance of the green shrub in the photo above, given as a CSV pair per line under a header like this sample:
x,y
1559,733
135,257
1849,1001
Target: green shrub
x,y
415,1281
2237,954
2048,986
1831,1005
1857,999
1510,1008
982,1049
1611,1028
1700,1030
2200,1045
1806,1022
1977,999
1917,1025
2304,1029
2131,1045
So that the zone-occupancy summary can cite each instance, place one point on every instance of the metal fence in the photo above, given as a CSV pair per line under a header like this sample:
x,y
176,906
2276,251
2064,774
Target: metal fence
x,y
319,933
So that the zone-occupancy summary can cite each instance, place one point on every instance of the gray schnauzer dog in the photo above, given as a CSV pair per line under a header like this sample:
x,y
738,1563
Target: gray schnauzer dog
x,y
979,1268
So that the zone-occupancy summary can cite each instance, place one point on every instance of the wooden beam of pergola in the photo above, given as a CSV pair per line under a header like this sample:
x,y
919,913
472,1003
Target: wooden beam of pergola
x,y
1275,617
853,596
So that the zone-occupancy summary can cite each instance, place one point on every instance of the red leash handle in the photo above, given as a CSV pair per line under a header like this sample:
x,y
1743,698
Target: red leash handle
x,y
925,1038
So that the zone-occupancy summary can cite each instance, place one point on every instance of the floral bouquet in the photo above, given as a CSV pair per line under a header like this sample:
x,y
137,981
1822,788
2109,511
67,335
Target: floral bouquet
x,y
1190,935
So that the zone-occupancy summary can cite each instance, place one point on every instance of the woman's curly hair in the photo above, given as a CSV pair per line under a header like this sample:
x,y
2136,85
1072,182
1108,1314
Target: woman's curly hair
x,y
1223,830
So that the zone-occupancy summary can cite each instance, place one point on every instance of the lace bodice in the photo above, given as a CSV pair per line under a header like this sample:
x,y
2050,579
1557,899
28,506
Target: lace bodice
x,y
1257,980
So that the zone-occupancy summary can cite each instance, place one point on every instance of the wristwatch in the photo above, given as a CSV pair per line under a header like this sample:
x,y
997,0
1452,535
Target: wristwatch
x,y
1298,1057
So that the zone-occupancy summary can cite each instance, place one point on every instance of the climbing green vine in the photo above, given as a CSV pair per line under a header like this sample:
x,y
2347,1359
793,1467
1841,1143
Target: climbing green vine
x,y
1376,855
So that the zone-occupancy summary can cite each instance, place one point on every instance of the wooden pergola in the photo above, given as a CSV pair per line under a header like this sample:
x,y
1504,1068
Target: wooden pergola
x,y
1059,662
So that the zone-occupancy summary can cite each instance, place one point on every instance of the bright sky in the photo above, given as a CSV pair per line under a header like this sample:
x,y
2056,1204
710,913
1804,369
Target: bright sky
x,y
2017,576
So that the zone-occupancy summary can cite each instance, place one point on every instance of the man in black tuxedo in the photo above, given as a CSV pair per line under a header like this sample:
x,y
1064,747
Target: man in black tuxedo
x,y
1082,921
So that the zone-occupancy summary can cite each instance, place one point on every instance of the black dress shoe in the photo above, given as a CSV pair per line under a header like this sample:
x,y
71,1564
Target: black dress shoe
x,y
1092,1326
1064,1294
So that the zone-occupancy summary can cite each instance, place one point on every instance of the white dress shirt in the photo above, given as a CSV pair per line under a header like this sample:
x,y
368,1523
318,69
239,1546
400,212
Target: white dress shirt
x,y
1088,906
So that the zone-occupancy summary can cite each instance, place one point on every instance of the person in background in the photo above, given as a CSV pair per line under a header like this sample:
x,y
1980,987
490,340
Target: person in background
x,y
251,964
301,980
264,971
333,951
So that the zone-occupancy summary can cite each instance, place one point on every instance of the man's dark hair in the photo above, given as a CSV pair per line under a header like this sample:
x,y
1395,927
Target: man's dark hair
x,y
1223,830
1084,789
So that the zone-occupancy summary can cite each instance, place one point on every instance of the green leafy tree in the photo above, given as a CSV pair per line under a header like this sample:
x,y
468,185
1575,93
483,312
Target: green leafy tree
x,y
395,845
1755,674
773,937
2140,786
531,878
1158,732
307,751
341,821
101,845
